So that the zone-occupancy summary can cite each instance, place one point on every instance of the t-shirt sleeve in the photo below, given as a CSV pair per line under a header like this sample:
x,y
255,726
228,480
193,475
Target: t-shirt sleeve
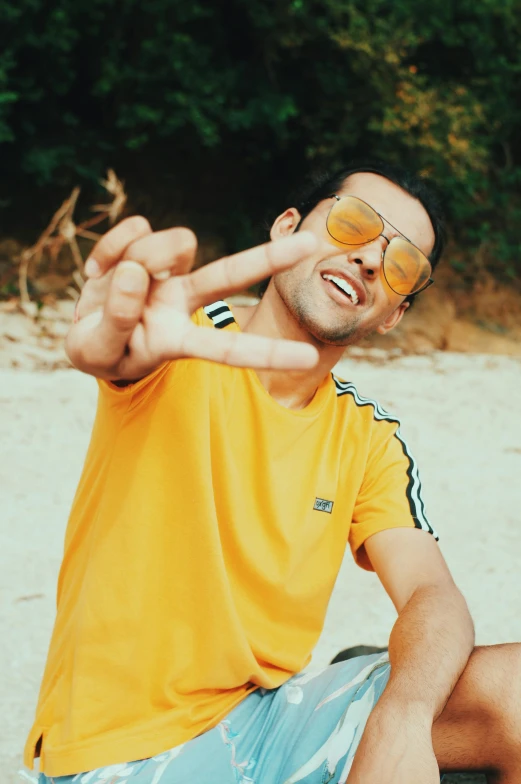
x,y
391,493
133,394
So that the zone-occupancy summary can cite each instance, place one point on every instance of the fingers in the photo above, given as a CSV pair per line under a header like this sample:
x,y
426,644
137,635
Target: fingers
x,y
244,350
230,275
93,295
124,308
113,244
170,251
99,341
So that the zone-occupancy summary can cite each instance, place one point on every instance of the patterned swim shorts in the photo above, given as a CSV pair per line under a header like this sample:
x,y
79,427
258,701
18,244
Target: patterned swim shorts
x,y
305,732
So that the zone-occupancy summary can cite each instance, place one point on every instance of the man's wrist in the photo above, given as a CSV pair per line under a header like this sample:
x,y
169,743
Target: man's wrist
x,y
393,712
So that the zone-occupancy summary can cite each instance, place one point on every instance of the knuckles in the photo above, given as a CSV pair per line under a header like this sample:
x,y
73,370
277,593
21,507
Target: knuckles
x,y
123,322
163,247
186,239
137,226
113,243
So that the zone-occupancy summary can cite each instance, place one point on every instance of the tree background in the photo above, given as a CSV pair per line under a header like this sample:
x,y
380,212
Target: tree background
x,y
210,111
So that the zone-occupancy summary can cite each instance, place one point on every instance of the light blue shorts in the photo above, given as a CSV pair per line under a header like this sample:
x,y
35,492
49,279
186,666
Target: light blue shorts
x,y
306,731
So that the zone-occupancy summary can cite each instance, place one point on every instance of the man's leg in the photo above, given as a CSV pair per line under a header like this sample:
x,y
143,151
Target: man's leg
x,y
480,727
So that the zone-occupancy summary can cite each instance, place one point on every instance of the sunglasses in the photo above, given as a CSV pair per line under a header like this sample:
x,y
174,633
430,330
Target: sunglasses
x,y
351,221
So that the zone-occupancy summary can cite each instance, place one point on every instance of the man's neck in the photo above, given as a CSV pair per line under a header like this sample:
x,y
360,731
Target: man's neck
x,y
292,389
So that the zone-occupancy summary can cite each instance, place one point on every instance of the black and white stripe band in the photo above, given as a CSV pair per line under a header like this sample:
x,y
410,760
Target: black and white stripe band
x,y
220,314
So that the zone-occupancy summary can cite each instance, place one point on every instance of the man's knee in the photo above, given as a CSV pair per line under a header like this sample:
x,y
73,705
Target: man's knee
x,y
480,726
489,690
496,678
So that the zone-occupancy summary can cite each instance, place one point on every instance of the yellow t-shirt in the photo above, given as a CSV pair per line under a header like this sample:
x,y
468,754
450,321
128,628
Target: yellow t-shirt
x,y
202,548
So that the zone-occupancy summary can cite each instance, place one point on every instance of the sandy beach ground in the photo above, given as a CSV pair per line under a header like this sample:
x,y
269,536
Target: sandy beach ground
x,y
460,416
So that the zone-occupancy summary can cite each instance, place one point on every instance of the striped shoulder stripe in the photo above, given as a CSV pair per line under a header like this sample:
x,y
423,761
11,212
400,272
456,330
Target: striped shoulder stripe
x,y
416,503
220,314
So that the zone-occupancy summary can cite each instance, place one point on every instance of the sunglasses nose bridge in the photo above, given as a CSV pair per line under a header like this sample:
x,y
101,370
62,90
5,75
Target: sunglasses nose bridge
x,y
370,255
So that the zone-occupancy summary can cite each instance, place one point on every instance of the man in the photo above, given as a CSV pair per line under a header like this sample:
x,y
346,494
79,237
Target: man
x,y
211,517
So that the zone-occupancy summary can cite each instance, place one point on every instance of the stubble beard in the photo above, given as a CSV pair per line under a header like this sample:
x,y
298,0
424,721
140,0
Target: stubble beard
x,y
299,302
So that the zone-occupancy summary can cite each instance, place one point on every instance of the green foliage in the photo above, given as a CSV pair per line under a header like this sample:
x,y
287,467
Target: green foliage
x,y
224,101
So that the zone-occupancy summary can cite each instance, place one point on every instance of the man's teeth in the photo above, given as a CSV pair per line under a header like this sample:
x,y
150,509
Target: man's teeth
x,y
345,286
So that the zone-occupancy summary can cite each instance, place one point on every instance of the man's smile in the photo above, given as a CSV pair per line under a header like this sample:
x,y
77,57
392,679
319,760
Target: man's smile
x,y
344,287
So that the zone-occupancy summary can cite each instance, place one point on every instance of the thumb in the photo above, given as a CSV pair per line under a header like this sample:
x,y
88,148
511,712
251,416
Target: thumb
x,y
98,349
123,309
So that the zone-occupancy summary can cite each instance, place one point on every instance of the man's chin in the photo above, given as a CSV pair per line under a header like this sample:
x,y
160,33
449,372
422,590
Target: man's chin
x,y
312,316
339,337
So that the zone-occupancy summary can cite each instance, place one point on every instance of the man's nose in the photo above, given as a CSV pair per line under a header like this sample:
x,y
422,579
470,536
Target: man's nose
x,y
369,257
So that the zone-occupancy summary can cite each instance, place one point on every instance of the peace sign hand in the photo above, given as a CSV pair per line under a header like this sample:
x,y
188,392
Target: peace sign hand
x,y
136,312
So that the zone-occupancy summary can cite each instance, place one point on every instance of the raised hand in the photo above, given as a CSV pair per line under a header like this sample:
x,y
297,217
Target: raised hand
x,y
134,312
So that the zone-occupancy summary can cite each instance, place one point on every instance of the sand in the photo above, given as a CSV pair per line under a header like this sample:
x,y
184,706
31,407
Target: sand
x,y
459,415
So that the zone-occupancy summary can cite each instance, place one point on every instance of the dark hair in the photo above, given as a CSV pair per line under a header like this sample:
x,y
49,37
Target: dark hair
x,y
322,185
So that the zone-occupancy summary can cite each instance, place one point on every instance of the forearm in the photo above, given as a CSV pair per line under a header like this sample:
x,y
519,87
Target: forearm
x,y
429,648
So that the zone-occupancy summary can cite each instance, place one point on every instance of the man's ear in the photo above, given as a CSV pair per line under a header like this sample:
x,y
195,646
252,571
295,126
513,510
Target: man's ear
x,y
393,319
285,224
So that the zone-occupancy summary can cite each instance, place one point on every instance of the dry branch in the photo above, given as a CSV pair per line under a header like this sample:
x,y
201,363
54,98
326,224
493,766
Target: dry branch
x,y
116,188
63,232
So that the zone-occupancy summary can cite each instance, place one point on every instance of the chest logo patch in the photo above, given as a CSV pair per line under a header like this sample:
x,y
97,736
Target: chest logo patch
x,y
321,505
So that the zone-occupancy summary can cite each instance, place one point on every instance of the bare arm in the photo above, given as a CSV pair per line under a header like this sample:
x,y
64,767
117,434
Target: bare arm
x,y
429,647
433,636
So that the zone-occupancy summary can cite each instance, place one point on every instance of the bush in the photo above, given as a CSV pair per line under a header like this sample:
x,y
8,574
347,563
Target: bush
x,y
209,110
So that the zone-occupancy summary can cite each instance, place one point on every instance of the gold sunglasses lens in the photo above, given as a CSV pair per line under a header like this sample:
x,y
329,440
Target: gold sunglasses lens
x,y
353,222
406,269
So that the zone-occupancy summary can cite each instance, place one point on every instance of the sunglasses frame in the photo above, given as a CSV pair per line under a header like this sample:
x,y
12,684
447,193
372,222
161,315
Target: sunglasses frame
x,y
426,285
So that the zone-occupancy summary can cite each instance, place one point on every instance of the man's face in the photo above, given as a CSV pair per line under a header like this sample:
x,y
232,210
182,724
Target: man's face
x,y
326,313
